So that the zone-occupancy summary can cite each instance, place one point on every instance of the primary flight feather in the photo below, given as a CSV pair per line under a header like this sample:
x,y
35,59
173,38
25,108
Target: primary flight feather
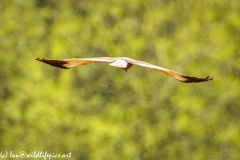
x,y
123,63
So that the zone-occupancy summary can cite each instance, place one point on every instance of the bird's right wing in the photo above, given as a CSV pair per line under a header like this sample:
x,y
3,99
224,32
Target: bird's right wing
x,y
178,76
74,62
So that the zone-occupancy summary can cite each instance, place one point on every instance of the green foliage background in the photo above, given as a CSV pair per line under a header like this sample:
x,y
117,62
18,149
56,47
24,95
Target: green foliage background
x,y
101,112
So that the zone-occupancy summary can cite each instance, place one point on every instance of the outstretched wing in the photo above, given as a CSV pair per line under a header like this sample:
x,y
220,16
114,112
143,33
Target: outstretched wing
x,y
74,62
121,62
178,76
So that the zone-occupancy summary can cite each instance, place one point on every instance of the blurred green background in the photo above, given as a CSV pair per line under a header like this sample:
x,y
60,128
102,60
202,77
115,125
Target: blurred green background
x,y
101,112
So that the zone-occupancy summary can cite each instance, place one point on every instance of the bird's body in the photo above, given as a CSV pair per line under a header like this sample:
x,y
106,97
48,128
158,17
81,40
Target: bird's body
x,y
123,63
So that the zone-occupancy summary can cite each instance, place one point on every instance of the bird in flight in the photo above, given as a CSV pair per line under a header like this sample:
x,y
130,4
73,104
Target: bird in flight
x,y
123,63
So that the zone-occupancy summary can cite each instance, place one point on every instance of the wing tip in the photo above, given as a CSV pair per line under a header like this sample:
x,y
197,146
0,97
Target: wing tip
x,y
55,63
209,78
190,79
39,59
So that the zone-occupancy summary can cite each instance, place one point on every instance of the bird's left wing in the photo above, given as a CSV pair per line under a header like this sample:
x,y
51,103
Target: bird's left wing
x,y
178,76
74,62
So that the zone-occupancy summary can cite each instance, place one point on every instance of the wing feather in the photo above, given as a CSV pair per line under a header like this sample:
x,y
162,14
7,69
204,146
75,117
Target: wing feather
x,y
74,62
176,75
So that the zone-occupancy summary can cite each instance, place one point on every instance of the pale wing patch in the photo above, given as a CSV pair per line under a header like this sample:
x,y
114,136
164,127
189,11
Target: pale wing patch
x,y
151,66
119,63
75,63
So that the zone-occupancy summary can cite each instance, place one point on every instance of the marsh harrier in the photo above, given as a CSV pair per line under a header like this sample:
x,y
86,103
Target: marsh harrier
x,y
123,63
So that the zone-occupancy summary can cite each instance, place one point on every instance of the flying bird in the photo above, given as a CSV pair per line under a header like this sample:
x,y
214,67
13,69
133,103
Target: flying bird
x,y
123,63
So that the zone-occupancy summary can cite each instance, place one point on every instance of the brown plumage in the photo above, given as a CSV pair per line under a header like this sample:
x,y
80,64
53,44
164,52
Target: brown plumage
x,y
123,63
